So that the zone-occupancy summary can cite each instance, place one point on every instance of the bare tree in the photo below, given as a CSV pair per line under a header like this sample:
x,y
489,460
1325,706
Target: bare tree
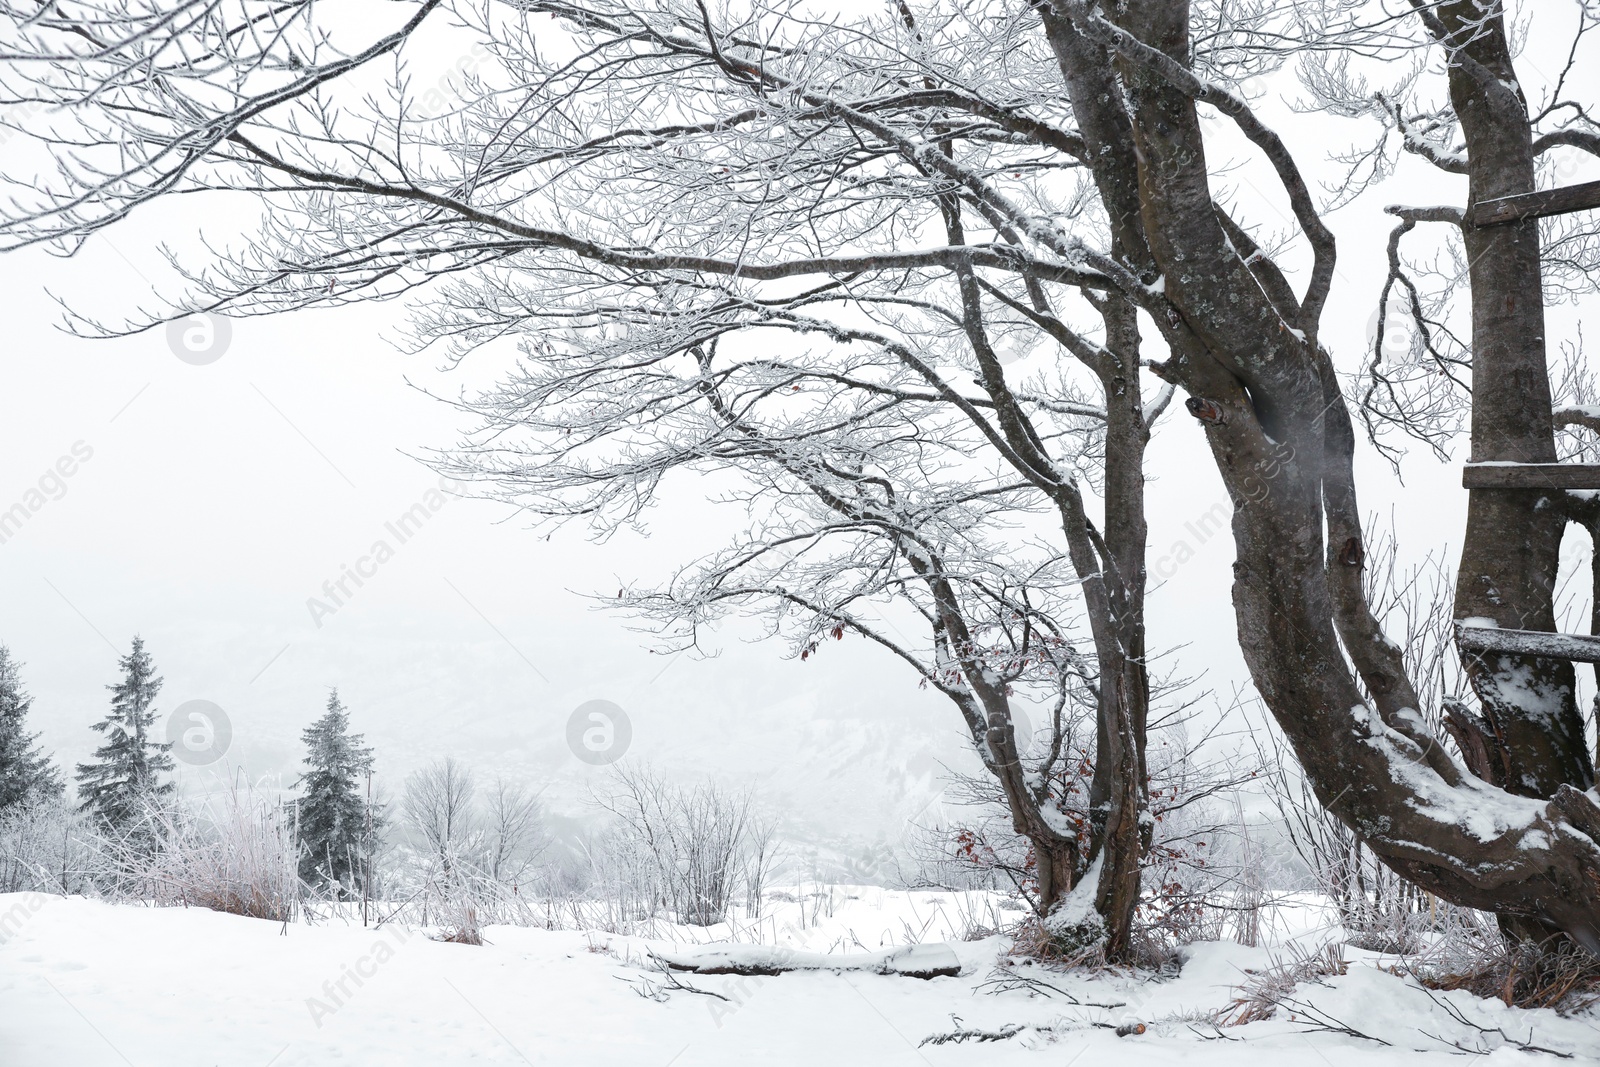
x,y
694,842
515,835
674,187
439,808
659,347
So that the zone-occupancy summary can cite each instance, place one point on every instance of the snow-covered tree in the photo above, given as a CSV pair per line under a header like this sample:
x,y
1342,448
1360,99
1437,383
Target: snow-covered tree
x,y
125,773
516,832
809,251
460,830
26,774
336,823
440,811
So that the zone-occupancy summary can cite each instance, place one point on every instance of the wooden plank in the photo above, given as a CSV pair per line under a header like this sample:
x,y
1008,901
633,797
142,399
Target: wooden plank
x,y
1534,205
1531,476
1579,647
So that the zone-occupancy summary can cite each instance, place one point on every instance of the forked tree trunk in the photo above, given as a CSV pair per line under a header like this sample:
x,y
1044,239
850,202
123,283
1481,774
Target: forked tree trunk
x,y
1246,350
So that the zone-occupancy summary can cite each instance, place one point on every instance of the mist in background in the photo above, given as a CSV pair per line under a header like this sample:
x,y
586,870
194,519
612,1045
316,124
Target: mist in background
x,y
219,504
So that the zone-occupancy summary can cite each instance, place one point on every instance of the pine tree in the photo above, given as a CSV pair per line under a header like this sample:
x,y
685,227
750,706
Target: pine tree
x,y
26,774
336,825
124,774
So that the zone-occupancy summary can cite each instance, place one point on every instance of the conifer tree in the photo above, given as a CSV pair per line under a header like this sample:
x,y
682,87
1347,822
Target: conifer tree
x,y
336,827
26,774
125,771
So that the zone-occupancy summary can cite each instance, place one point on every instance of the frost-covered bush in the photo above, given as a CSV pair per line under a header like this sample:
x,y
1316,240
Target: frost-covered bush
x,y
232,850
469,857
43,848
687,850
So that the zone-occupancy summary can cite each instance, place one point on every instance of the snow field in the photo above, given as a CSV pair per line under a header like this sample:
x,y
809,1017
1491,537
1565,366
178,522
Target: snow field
x,y
85,983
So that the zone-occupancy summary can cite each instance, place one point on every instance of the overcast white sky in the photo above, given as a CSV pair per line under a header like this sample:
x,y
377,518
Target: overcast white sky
x,y
219,498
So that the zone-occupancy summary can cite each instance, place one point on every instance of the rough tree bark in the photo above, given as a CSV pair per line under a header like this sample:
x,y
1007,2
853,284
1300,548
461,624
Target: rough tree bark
x,y
1247,353
1530,726
1511,551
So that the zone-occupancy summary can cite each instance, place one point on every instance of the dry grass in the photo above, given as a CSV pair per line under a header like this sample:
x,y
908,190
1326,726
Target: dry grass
x,y
1258,998
1521,975
462,926
1032,940
233,853
252,902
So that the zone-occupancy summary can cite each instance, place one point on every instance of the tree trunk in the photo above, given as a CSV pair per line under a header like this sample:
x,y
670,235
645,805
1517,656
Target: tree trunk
x,y
1511,552
1119,791
1246,351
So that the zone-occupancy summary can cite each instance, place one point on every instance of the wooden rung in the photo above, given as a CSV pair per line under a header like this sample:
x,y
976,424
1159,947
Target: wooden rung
x,y
1534,205
1581,648
1531,476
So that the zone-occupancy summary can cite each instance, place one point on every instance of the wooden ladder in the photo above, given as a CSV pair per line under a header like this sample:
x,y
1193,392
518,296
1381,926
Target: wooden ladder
x,y
1580,648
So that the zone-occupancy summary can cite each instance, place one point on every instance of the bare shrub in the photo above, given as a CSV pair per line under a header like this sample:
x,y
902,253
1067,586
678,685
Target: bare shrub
x,y
1032,939
471,858
1379,910
684,849
620,893
1197,887
762,853
1264,990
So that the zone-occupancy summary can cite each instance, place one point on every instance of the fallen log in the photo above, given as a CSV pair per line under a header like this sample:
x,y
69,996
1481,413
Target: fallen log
x,y
911,961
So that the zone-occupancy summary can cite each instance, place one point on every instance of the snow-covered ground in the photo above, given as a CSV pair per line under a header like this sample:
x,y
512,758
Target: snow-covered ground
x,y
84,983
